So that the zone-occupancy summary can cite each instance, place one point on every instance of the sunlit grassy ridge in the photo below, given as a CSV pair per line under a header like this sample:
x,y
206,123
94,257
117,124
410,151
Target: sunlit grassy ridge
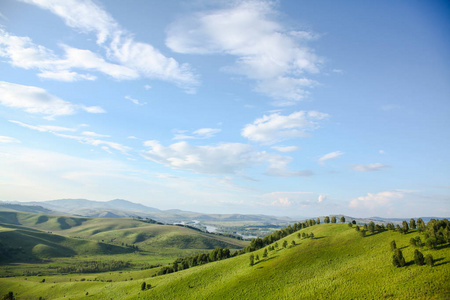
x,y
337,264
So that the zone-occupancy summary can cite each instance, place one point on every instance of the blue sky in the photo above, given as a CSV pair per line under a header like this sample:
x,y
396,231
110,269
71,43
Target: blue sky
x,y
297,108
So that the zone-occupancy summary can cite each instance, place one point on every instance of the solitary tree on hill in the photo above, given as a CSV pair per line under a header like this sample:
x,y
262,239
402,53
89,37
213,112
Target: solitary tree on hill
x,y
393,245
397,259
418,258
412,224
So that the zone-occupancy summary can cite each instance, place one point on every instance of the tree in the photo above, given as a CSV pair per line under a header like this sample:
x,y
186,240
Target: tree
x,y
418,258
285,244
293,243
265,253
371,227
311,235
393,245
397,259
326,220
405,227
412,224
357,228
333,219
257,257
350,224
354,222
252,260
429,260
342,219
143,286
362,233
412,242
318,221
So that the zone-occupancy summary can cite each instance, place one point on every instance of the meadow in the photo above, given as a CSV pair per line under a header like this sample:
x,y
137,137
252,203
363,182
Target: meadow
x,y
337,263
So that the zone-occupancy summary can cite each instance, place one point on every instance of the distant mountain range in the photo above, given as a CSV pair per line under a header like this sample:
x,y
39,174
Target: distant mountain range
x,y
119,208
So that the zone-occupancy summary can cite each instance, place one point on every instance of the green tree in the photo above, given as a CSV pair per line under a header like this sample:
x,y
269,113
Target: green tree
x,y
326,220
397,259
429,260
318,221
143,286
362,233
412,224
333,219
405,227
371,227
252,260
412,242
293,243
357,228
265,253
285,243
350,224
418,258
311,235
342,219
393,245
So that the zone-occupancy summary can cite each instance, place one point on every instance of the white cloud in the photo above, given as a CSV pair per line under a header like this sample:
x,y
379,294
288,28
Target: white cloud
x,y
135,58
381,152
94,134
23,53
289,199
329,156
135,101
202,133
369,167
8,139
321,198
378,200
225,158
275,127
276,58
286,148
87,138
285,202
43,128
36,100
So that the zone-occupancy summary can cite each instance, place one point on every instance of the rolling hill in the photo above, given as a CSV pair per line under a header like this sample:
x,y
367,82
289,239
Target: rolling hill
x,y
337,263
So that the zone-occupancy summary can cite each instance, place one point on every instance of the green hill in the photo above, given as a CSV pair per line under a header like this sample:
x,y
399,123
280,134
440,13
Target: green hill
x,y
336,264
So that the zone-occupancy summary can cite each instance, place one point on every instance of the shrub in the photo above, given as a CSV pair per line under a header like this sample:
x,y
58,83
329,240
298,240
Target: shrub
x,y
143,286
412,242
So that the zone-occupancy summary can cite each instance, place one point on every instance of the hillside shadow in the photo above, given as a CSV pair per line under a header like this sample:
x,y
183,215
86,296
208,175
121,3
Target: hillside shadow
x,y
319,238
442,246
263,260
440,264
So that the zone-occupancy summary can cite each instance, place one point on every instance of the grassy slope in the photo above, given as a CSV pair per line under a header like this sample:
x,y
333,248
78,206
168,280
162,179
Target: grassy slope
x,y
68,240
337,264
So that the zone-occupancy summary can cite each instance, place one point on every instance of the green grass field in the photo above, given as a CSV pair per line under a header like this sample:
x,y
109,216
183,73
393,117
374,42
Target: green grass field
x,y
336,264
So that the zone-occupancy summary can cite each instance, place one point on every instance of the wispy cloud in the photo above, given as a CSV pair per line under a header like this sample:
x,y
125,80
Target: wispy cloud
x,y
202,133
275,127
87,137
37,100
135,101
330,156
369,167
8,139
286,148
266,52
135,59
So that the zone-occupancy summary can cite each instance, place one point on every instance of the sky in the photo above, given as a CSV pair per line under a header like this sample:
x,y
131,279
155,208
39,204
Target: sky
x,y
290,108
